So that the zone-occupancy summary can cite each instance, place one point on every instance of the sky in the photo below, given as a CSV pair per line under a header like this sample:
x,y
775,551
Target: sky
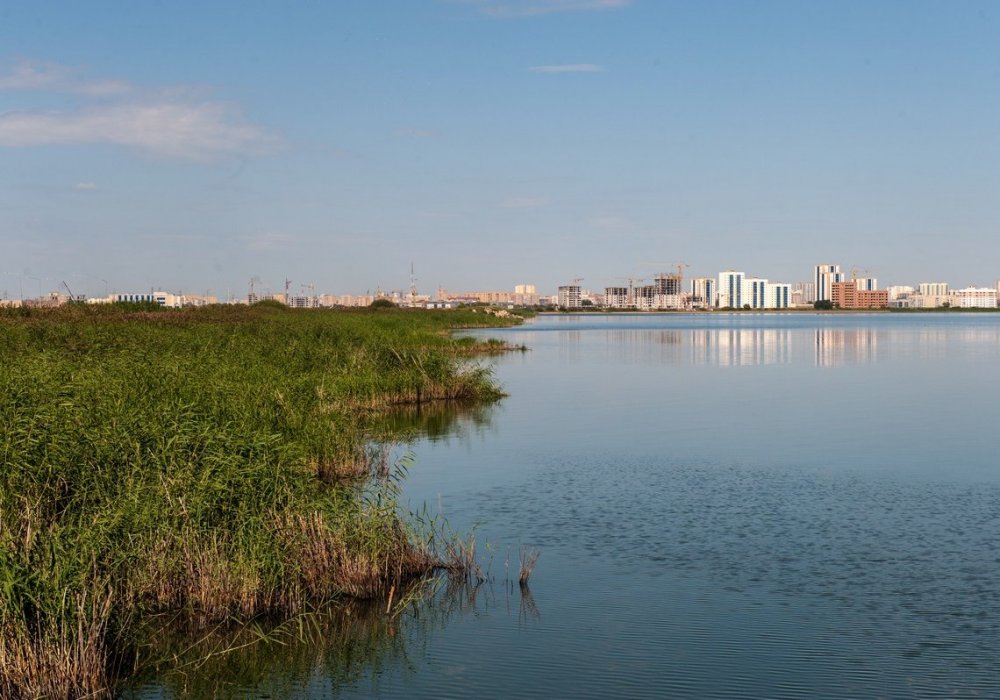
x,y
190,146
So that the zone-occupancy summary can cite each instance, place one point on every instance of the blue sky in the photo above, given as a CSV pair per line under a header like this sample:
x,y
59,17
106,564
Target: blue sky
x,y
191,146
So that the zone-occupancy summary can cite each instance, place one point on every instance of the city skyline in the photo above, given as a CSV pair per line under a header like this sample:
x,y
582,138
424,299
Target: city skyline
x,y
14,285
495,142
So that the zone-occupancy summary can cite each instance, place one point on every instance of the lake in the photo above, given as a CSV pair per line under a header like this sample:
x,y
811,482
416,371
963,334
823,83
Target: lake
x,y
726,506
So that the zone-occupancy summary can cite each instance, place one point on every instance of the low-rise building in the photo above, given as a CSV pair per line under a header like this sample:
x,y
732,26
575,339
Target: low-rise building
x,y
974,298
846,295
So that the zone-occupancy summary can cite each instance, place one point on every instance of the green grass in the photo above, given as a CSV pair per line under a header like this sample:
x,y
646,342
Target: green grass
x,y
199,463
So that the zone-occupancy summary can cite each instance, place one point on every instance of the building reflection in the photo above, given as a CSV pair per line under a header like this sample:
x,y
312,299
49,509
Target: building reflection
x,y
834,347
632,345
740,347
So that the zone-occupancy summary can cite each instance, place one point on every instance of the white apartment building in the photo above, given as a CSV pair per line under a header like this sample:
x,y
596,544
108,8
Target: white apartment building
x,y
730,290
866,284
824,275
758,293
755,293
932,289
703,291
778,295
173,301
899,291
974,298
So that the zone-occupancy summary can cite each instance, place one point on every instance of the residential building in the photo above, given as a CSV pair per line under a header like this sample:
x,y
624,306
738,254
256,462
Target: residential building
x,y
932,289
846,295
569,296
866,284
974,298
824,277
755,293
173,301
899,292
778,295
803,293
526,297
617,298
703,291
730,290
758,293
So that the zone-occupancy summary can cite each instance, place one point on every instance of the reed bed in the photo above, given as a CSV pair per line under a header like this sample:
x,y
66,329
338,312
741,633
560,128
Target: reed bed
x,y
211,463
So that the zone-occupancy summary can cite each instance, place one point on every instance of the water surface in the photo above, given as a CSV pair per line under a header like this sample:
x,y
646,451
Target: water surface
x,y
727,506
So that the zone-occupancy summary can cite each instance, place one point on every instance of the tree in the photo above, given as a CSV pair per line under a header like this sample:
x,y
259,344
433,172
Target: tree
x,y
381,304
823,304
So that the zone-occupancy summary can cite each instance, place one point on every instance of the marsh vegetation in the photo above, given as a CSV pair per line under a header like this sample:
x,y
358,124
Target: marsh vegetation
x,y
211,465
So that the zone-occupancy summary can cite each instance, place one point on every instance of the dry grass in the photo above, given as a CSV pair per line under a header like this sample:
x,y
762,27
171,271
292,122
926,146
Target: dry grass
x,y
528,559
59,657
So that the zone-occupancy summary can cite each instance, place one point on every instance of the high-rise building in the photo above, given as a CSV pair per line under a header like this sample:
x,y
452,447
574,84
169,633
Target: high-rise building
x,y
866,284
616,297
824,277
932,289
569,296
778,295
730,293
703,291
755,292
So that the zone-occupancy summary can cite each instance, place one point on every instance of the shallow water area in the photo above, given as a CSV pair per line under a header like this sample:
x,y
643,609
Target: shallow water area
x,y
727,506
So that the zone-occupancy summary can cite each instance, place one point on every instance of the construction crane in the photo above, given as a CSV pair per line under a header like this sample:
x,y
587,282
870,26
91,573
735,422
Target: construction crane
x,y
311,288
69,291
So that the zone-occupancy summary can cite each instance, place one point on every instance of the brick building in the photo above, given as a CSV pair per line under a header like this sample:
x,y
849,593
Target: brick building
x,y
846,295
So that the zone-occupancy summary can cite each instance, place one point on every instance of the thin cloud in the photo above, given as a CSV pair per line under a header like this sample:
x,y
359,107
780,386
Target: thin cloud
x,y
568,68
85,186
175,122
183,129
504,9
53,77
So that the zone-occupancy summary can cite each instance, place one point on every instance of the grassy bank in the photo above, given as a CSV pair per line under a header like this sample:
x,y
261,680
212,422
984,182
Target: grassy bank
x,y
199,463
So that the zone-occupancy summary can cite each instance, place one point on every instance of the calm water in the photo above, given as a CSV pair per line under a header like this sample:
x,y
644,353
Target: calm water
x,y
772,506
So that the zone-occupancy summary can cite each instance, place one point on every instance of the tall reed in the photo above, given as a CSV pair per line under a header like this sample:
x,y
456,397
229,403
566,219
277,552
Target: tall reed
x,y
196,462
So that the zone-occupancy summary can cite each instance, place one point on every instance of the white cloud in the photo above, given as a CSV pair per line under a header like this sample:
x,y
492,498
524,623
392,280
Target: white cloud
x,y
85,186
179,129
568,68
532,8
523,202
53,77
175,122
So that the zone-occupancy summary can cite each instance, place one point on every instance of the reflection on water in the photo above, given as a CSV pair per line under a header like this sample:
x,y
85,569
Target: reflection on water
x,y
837,346
437,420
322,654
749,341
745,506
